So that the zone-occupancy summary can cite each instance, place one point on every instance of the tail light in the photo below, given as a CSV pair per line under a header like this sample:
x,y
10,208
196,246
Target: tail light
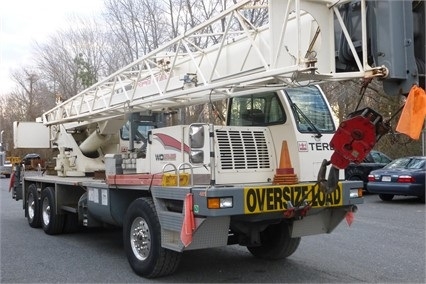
x,y
406,179
371,178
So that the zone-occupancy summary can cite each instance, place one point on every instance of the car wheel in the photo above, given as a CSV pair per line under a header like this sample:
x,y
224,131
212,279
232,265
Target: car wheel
x,y
386,197
33,207
142,241
52,223
276,242
356,174
422,198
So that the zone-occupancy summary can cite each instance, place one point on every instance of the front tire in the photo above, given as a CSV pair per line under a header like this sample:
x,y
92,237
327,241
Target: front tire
x,y
33,207
142,241
386,197
276,242
52,223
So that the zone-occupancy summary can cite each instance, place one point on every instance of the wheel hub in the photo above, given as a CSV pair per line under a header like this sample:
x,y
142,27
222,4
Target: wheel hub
x,y
31,207
140,238
46,212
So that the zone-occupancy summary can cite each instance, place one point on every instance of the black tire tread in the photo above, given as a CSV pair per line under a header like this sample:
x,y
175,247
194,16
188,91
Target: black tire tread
x,y
281,247
56,224
167,261
386,197
71,223
36,221
355,173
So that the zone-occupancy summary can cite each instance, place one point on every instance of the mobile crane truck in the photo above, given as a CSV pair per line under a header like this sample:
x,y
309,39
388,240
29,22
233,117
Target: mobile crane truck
x,y
271,175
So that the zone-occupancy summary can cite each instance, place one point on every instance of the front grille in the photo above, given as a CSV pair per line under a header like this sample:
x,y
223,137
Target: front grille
x,y
242,149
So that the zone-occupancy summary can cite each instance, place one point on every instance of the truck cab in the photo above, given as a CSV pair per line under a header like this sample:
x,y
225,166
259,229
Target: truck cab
x,y
301,116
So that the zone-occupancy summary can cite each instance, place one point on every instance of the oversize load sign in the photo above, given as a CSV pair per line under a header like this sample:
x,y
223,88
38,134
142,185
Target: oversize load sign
x,y
275,198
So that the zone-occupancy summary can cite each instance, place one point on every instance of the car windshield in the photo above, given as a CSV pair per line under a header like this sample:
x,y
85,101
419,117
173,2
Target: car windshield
x,y
380,157
406,163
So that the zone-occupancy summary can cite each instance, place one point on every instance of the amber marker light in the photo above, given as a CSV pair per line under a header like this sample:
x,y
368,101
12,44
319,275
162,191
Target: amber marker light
x,y
213,203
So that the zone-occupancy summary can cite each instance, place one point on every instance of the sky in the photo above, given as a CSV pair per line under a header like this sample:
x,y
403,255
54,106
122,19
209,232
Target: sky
x,y
24,22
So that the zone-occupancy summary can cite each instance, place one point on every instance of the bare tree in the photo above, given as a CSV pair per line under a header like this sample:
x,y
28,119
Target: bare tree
x,y
62,58
29,100
138,26
26,102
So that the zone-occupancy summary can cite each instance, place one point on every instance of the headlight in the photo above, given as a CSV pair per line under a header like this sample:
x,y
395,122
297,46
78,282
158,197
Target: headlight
x,y
355,193
196,156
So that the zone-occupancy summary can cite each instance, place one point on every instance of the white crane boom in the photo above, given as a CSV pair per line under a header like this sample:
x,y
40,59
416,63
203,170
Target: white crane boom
x,y
223,57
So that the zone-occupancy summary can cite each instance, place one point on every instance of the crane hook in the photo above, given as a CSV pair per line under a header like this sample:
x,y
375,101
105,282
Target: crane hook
x,y
331,184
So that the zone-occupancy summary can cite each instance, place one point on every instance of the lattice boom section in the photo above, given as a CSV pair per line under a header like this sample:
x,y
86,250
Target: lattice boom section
x,y
243,149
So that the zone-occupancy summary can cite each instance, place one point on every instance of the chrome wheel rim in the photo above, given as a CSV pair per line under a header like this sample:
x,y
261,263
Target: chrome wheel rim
x,y
31,206
140,238
46,211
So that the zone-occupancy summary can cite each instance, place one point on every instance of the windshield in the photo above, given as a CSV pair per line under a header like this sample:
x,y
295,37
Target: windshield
x,y
406,163
310,110
256,110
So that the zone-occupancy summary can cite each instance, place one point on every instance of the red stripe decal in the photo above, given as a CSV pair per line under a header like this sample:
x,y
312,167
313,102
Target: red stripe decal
x,y
169,141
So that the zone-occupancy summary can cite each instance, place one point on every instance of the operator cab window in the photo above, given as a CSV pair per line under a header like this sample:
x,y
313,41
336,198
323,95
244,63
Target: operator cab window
x,y
310,110
256,110
141,132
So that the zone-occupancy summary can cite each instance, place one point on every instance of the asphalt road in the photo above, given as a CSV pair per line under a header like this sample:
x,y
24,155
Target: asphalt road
x,y
385,243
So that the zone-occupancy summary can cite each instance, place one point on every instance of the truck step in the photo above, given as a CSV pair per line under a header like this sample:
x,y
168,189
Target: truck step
x,y
69,208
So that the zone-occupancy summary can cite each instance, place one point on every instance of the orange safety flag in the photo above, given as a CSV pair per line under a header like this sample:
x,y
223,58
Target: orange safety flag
x,y
188,225
349,218
414,113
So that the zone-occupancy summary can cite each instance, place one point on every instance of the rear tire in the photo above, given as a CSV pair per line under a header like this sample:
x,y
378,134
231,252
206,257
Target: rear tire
x,y
142,241
33,207
386,197
51,222
276,242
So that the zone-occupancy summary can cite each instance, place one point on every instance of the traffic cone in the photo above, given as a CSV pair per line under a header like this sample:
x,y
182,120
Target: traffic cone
x,y
285,173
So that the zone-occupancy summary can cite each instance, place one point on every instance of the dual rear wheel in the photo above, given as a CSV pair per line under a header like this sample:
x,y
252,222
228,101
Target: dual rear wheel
x,y
40,212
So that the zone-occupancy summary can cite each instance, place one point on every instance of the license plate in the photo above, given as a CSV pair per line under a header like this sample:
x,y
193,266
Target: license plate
x,y
386,178
276,198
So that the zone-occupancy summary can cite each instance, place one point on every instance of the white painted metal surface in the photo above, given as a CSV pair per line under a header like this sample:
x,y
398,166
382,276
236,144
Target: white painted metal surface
x,y
296,46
